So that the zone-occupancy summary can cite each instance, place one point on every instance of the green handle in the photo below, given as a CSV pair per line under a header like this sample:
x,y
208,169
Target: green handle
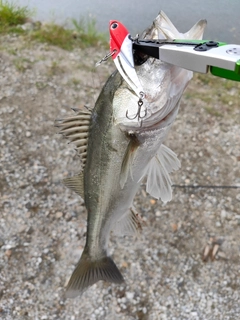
x,y
216,71
228,74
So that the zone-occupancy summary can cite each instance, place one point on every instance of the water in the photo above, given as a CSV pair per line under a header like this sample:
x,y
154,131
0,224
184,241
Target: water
x,y
223,16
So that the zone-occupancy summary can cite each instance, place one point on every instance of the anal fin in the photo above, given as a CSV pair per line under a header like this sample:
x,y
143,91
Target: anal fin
x,y
129,224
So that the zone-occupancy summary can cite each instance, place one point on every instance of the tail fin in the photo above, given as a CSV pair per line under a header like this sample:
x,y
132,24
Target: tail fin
x,y
88,272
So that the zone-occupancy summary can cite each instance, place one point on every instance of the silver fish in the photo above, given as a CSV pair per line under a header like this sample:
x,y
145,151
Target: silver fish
x,y
117,153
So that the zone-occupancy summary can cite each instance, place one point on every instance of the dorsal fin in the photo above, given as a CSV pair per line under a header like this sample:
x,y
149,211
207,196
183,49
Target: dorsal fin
x,y
76,184
76,129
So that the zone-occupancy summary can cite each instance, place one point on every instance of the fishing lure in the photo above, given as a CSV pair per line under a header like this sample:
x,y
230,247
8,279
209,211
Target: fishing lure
x,y
222,59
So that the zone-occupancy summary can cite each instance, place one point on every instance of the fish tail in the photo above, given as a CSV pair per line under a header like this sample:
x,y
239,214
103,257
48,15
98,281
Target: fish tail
x,y
88,272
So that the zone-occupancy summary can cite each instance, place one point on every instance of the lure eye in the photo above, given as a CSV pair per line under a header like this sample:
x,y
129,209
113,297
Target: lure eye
x,y
114,25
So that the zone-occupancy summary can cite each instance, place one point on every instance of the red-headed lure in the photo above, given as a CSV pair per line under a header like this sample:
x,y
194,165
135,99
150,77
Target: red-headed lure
x,y
122,55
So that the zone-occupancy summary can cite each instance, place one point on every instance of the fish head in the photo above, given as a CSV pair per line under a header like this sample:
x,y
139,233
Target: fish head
x,y
162,83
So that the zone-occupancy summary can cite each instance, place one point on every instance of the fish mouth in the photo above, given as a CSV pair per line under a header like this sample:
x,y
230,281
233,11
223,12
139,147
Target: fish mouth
x,y
151,123
139,58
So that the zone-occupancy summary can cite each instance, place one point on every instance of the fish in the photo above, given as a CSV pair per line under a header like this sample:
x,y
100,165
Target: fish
x,y
118,151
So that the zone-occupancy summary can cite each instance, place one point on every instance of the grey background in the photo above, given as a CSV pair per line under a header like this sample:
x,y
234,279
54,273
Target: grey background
x,y
223,16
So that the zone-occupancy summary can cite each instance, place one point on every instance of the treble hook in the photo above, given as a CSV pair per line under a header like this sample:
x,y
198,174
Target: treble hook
x,y
138,114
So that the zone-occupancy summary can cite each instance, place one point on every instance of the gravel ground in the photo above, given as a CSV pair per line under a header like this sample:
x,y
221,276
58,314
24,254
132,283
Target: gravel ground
x,y
43,224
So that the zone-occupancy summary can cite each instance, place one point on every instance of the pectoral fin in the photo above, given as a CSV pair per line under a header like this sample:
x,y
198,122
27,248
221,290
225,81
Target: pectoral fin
x,y
128,158
158,179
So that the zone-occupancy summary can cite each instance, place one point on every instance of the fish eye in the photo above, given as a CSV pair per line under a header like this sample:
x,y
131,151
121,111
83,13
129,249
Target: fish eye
x,y
114,25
